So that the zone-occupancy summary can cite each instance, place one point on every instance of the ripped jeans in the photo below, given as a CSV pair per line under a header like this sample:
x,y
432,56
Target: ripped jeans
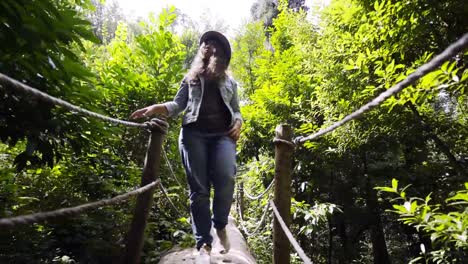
x,y
209,160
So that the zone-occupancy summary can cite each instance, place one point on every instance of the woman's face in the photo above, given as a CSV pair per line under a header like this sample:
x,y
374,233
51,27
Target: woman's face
x,y
208,48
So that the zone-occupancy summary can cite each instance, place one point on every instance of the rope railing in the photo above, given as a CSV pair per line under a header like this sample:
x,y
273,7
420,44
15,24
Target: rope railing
x,y
166,195
286,142
69,211
448,53
242,221
21,87
164,191
291,238
171,169
253,197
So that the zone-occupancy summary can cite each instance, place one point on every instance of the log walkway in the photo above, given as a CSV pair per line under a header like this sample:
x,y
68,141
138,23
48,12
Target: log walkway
x,y
239,253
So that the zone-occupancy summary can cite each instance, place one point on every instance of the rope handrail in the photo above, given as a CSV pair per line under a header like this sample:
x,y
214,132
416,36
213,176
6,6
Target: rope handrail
x,y
242,221
36,217
286,142
170,168
252,197
291,238
54,100
449,52
166,195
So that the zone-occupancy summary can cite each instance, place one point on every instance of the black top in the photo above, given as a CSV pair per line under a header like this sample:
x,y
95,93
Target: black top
x,y
214,116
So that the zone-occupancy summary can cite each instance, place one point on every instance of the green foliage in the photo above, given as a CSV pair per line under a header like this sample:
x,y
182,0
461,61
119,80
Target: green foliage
x,y
114,79
373,49
446,224
136,71
274,81
37,39
313,215
71,182
189,38
148,64
315,73
105,17
256,177
248,45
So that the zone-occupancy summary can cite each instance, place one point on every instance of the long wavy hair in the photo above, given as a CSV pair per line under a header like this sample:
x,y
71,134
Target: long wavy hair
x,y
214,67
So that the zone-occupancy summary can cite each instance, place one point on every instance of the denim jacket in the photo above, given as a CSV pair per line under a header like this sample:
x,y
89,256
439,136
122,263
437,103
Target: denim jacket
x,y
189,99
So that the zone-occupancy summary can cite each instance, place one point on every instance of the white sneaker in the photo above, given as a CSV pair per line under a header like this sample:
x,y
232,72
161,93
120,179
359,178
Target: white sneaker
x,y
224,240
204,255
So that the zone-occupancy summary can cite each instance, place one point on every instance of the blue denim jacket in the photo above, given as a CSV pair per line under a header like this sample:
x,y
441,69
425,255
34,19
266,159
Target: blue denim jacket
x,y
189,99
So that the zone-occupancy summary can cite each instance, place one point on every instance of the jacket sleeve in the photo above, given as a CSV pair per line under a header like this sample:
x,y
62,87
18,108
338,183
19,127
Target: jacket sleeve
x,y
235,102
179,103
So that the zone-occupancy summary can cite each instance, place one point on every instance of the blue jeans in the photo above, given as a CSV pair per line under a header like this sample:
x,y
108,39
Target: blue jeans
x,y
209,160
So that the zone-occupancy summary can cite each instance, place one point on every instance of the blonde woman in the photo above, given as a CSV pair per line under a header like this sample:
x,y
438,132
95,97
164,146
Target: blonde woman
x,y
211,126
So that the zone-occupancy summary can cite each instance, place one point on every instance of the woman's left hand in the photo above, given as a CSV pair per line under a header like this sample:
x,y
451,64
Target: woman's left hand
x,y
234,132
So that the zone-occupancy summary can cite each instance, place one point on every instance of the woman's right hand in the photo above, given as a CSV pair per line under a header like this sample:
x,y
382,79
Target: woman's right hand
x,y
144,112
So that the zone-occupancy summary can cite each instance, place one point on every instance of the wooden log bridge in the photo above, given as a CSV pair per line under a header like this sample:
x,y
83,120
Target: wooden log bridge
x,y
238,254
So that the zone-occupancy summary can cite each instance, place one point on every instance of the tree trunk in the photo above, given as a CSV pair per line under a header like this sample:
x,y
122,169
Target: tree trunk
x,y
330,224
341,228
379,247
330,241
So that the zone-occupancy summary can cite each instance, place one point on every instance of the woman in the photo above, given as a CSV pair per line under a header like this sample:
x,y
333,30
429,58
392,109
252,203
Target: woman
x,y
207,142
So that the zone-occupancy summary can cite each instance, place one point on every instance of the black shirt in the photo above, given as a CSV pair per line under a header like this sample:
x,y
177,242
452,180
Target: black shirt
x,y
214,116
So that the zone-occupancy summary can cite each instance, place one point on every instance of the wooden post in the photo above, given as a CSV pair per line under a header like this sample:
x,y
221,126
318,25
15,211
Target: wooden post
x,y
143,204
241,198
283,168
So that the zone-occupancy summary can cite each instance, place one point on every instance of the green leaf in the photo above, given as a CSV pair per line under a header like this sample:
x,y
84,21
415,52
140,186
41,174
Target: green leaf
x,y
385,189
401,209
460,196
444,66
394,184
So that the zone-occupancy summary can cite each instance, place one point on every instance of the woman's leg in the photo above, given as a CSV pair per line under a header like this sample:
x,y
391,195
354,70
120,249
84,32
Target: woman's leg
x,y
193,150
222,162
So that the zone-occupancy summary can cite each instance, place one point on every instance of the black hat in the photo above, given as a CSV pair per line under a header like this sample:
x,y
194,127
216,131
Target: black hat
x,y
221,39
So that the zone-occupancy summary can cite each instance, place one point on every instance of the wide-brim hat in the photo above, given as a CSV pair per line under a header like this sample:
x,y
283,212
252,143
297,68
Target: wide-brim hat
x,y
221,39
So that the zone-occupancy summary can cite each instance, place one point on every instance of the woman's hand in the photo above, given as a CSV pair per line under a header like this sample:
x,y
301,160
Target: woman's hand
x,y
234,132
144,112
